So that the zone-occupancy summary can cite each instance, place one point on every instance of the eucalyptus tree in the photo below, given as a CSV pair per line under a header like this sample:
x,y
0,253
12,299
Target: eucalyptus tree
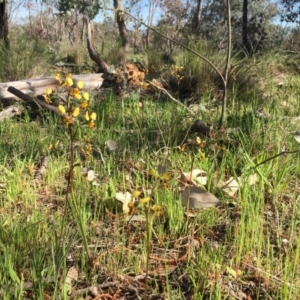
x,y
292,11
4,22
250,21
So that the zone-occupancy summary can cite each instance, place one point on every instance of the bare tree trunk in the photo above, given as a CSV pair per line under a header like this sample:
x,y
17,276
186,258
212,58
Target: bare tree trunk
x,y
227,67
122,30
152,9
245,41
147,38
197,17
4,23
94,55
83,31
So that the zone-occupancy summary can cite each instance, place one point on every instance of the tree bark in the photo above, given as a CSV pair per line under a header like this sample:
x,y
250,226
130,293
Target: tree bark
x,y
4,23
122,30
94,55
245,41
197,16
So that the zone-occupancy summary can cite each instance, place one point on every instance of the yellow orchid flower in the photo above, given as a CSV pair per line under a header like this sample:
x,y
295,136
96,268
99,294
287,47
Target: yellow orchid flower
x,y
91,119
84,104
68,120
47,99
57,77
75,92
92,116
91,124
49,91
46,96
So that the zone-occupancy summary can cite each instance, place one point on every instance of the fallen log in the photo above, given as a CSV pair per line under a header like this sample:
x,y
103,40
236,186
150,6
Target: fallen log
x,y
38,86
13,110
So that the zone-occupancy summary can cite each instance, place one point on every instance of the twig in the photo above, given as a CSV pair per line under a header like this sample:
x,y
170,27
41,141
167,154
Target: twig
x,y
278,154
94,290
168,94
89,290
227,67
42,169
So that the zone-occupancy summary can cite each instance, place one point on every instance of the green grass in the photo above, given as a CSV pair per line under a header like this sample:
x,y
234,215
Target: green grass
x,y
24,59
250,244
247,247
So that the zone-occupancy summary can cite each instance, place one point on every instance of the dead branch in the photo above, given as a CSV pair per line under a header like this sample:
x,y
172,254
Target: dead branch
x,y
94,290
168,94
37,100
94,55
42,169
38,86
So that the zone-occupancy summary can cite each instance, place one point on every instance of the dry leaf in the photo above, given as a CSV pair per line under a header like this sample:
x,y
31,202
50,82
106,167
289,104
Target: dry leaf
x,y
195,197
126,199
90,175
111,145
230,187
252,179
196,176
137,218
72,276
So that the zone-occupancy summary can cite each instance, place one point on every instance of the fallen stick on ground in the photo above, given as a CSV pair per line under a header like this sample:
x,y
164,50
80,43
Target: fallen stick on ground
x,y
37,100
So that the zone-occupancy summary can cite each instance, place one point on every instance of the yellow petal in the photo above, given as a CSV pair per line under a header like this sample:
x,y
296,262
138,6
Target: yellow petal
x,y
68,120
135,194
75,92
76,112
91,124
69,81
77,96
80,84
86,96
87,117
144,200
47,98
165,177
57,77
84,104
93,116
48,91
154,173
61,109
